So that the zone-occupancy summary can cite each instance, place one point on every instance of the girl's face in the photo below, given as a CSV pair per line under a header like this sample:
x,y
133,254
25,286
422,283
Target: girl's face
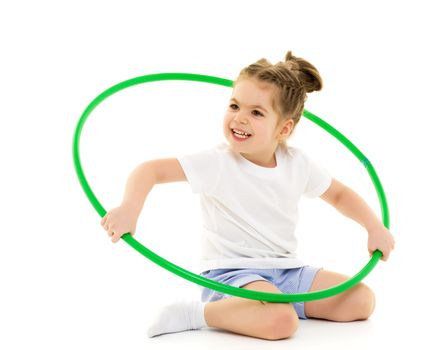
x,y
250,110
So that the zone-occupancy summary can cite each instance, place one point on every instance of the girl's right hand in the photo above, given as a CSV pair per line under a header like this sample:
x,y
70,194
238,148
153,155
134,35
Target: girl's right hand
x,y
118,221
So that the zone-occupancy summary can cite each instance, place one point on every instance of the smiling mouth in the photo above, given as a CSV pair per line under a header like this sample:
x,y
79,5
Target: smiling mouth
x,y
240,136
238,132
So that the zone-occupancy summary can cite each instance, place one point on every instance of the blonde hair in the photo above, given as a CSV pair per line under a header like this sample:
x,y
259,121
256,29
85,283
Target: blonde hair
x,y
294,78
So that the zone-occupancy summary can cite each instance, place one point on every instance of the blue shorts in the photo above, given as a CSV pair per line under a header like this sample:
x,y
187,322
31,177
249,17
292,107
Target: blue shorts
x,y
289,281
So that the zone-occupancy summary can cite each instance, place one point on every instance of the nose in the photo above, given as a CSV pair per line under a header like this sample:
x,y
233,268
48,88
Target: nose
x,y
240,118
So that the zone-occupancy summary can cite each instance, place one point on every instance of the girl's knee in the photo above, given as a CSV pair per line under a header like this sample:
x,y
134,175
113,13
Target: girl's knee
x,y
280,320
365,301
283,322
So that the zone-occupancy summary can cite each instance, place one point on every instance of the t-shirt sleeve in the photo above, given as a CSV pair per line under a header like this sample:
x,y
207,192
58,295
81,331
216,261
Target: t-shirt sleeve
x,y
202,169
318,179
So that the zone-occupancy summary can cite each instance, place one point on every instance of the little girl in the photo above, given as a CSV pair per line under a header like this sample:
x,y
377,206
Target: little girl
x,y
250,188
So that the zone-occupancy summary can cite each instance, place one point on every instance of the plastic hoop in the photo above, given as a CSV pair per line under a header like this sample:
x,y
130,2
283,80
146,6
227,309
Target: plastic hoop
x,y
190,276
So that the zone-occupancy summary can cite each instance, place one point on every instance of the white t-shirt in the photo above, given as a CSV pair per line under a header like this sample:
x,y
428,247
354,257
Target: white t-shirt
x,y
250,212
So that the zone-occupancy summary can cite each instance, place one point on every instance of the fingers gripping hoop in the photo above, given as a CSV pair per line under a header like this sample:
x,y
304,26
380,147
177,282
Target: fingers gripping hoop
x,y
220,287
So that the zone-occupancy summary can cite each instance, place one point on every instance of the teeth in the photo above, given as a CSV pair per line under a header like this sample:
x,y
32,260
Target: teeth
x,y
240,132
241,136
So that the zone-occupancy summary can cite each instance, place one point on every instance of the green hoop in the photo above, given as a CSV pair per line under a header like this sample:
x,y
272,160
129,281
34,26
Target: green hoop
x,y
220,287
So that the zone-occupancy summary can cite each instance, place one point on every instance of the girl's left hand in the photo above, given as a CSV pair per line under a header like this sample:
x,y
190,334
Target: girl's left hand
x,y
380,238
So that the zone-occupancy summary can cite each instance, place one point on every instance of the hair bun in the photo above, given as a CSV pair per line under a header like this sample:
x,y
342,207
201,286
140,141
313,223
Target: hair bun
x,y
292,61
308,74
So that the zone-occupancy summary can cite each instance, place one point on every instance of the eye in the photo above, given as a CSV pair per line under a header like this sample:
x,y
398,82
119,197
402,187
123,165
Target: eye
x,y
233,104
260,114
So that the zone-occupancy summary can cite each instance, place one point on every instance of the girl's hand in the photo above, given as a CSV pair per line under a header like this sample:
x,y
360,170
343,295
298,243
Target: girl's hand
x,y
380,238
118,221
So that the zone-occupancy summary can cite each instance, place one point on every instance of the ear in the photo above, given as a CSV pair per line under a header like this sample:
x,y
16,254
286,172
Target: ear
x,y
287,127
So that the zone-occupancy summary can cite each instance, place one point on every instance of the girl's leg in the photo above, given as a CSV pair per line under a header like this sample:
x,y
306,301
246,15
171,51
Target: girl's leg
x,y
356,303
254,318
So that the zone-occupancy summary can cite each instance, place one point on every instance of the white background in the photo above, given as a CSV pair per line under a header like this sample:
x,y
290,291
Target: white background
x,y
65,285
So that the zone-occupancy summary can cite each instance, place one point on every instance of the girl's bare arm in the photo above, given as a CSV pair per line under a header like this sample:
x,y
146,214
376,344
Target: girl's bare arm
x,y
123,219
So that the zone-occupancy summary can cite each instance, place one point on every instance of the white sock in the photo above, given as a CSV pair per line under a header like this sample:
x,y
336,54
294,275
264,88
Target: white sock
x,y
178,317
